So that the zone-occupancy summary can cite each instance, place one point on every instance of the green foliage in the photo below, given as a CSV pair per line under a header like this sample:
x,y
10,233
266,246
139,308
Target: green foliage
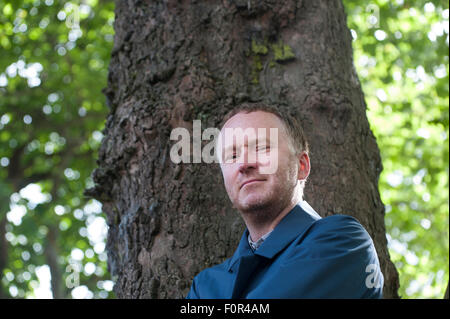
x,y
53,67
401,56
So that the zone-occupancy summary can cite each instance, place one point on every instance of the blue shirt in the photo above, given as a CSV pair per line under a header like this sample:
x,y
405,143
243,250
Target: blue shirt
x,y
305,256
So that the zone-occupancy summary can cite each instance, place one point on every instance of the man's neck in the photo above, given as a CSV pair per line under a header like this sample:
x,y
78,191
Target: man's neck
x,y
257,229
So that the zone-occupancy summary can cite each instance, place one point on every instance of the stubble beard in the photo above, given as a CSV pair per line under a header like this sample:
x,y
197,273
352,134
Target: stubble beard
x,y
266,208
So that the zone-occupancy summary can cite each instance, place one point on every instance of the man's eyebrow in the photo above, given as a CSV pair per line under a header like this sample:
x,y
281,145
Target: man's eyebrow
x,y
229,147
249,143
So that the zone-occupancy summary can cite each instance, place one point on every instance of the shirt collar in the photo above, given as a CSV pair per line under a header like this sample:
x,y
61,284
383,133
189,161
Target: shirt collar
x,y
291,226
255,245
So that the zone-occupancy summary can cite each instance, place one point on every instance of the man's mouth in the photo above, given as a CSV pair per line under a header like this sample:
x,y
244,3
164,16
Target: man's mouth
x,y
251,181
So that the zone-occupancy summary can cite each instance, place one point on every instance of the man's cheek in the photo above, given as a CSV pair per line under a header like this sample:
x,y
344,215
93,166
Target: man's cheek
x,y
232,191
268,164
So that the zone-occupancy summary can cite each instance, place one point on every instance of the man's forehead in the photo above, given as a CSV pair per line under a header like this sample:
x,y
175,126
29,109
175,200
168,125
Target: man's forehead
x,y
256,119
246,136
250,128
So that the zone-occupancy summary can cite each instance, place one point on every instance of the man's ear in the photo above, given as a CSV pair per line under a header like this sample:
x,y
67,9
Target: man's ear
x,y
304,166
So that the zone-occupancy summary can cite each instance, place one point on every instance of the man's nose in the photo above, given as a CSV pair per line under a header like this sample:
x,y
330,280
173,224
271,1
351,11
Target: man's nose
x,y
247,161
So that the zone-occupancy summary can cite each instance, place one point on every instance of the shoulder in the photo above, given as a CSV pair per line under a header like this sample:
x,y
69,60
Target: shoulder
x,y
334,255
338,226
210,282
212,273
334,235
338,220
219,268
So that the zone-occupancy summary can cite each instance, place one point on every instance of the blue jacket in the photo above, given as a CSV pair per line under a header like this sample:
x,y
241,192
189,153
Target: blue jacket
x,y
305,256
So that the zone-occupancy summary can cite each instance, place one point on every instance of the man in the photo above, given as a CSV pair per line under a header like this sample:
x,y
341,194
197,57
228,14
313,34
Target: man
x,y
287,250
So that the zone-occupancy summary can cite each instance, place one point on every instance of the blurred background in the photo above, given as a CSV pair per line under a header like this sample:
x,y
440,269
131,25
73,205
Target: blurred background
x,y
54,59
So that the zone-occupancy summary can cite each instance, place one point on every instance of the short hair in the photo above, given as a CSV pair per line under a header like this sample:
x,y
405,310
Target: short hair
x,y
293,127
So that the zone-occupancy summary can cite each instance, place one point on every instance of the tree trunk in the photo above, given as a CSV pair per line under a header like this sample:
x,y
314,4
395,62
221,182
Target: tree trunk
x,y
446,292
176,61
3,252
51,256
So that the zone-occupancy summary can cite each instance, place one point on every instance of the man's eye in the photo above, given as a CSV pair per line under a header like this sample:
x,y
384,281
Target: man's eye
x,y
263,148
231,157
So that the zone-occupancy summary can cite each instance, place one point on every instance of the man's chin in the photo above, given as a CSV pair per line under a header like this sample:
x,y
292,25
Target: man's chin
x,y
253,205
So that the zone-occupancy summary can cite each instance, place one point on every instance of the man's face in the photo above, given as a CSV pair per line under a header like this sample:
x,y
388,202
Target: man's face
x,y
245,161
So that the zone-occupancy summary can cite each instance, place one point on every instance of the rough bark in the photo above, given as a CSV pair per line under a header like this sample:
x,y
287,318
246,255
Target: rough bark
x,y
176,61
